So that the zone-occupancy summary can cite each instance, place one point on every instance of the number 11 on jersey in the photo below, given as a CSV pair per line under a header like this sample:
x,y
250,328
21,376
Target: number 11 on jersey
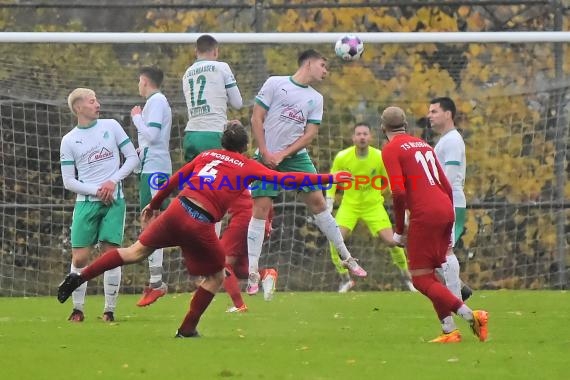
x,y
431,170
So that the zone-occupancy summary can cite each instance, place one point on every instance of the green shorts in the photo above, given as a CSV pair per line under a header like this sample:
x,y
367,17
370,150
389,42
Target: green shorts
x,y
196,142
459,225
375,217
94,222
300,162
146,192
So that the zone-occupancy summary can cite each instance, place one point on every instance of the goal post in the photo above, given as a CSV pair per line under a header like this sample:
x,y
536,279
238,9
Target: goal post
x,y
283,38
511,89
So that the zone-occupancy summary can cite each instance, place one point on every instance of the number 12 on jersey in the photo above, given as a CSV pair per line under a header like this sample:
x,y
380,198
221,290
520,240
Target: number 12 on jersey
x,y
197,99
198,104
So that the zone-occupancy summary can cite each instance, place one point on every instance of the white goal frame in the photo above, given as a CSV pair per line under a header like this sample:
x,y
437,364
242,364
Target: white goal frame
x,y
559,38
284,38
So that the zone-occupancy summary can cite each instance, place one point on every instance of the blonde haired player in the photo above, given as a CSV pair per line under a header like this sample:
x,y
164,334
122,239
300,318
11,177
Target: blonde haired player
x,y
93,148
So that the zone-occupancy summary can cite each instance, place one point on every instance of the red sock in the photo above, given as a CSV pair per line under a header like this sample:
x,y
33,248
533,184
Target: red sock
x,y
198,305
444,302
109,260
232,287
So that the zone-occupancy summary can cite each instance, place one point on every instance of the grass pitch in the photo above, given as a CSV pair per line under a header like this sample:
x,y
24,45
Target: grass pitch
x,y
359,335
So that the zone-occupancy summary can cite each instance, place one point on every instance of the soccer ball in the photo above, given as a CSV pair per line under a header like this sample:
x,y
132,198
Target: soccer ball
x,y
349,47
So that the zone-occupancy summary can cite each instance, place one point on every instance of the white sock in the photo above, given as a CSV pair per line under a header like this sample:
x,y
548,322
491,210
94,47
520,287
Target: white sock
x,y
329,227
465,312
78,295
218,228
451,275
111,284
155,267
255,235
448,324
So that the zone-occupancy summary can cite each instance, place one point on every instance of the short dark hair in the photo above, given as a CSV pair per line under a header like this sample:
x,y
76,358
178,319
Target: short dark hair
x,y
235,138
309,54
206,43
153,73
446,104
361,124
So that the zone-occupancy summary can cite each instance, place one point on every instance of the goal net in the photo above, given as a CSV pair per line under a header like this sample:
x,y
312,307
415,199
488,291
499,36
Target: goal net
x,y
512,111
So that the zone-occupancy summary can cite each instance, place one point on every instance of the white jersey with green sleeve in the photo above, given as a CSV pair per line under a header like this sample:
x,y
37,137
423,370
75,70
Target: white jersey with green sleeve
x,y
205,85
153,127
94,152
450,151
290,107
371,167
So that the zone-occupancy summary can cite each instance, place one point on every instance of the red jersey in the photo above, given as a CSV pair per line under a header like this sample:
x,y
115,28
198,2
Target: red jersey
x,y
216,178
416,180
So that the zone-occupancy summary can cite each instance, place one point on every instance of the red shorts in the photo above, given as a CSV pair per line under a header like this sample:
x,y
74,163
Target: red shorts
x,y
428,243
234,243
201,248
234,238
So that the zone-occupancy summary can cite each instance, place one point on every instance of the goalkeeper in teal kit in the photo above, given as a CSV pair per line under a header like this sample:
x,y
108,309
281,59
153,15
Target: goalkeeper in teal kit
x,y
363,200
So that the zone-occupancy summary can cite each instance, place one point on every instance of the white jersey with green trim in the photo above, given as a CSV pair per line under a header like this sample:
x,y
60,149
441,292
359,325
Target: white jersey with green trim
x,y
205,85
94,151
154,135
290,107
450,151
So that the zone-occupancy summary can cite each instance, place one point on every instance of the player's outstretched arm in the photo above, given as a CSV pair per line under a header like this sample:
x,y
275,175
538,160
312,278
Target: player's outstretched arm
x,y
173,183
260,172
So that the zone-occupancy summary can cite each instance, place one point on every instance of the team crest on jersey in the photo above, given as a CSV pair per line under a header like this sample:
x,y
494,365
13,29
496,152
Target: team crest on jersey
x,y
101,155
293,114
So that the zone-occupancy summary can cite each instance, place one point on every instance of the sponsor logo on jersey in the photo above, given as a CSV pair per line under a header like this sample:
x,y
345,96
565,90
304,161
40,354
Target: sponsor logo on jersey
x,y
293,114
102,155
